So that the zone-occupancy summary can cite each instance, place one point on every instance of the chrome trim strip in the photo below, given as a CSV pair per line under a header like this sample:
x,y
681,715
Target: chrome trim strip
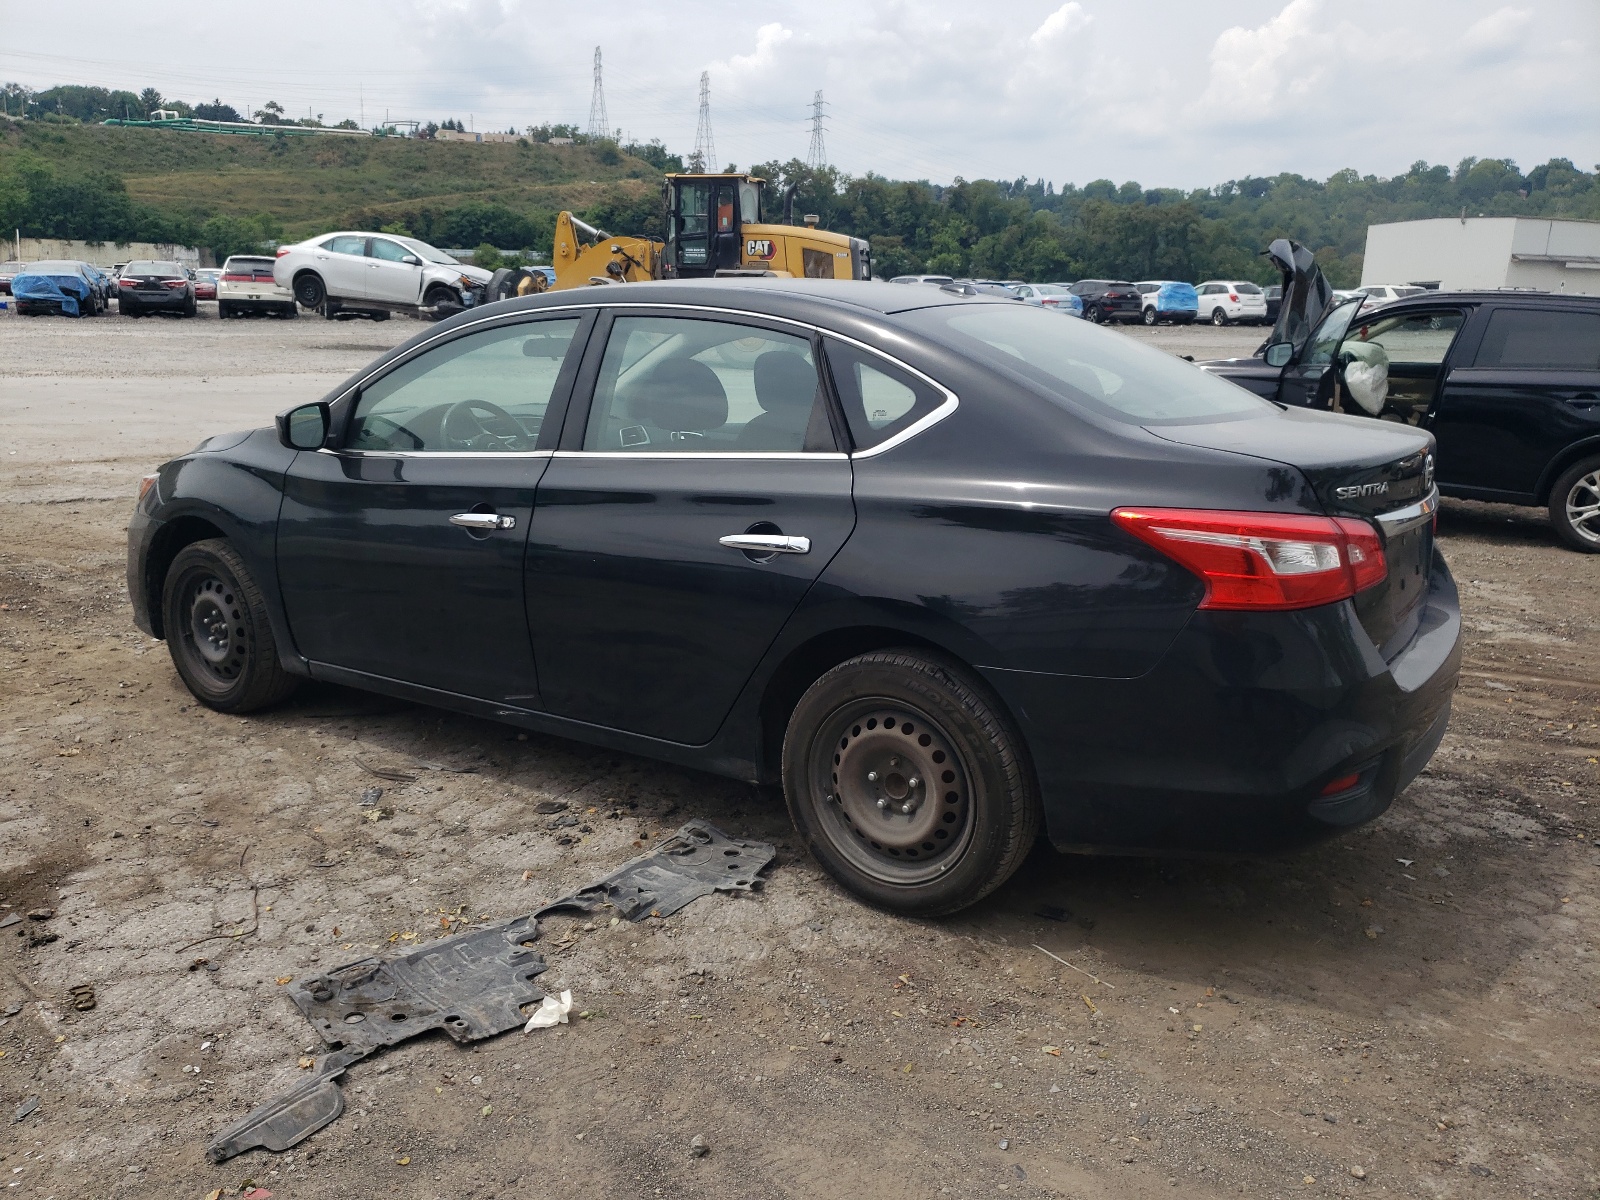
x,y
951,401
436,453
1403,519
708,455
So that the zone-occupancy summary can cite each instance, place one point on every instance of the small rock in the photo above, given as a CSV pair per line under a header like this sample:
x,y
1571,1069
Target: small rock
x,y
1055,1088
826,1039
1091,1069
41,914
1331,1118
1357,1173
26,1109
1005,1143
1194,1110
549,808
371,796
566,822
698,1148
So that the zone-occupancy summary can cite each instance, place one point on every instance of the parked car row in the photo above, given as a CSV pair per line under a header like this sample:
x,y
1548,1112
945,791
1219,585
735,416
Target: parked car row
x,y
1113,301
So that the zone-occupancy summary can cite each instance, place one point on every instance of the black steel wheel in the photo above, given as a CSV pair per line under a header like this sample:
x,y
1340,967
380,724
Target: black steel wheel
x,y
1575,506
309,290
217,630
1218,317
1150,316
908,783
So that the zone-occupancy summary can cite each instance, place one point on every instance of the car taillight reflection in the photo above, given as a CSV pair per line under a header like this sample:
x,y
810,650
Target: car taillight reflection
x,y
174,283
1264,561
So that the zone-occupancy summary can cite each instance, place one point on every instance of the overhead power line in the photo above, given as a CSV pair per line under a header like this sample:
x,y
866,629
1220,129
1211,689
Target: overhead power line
x,y
599,123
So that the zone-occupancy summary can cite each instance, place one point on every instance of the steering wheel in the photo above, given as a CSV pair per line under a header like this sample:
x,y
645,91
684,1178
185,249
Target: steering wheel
x,y
464,428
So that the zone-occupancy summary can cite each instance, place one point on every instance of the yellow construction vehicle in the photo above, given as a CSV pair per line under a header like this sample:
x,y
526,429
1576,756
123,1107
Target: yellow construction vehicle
x,y
715,228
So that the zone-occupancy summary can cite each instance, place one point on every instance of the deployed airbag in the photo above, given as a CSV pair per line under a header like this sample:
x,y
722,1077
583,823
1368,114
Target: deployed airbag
x,y
1366,375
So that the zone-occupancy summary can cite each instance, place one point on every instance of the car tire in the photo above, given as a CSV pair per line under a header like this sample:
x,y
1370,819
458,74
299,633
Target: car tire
x,y
1092,314
1218,317
1150,317
309,290
912,719
218,633
1575,505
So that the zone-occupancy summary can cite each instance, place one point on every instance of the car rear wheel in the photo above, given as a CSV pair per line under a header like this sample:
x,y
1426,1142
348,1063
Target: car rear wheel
x,y
1218,317
1150,317
1575,506
308,289
908,784
217,630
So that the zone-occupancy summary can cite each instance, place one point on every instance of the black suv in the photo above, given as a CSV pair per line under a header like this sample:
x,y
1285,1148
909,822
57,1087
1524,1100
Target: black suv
x,y
1109,300
1508,382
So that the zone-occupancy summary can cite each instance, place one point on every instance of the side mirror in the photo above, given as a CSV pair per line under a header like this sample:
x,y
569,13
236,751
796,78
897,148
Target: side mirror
x,y
304,428
411,260
1279,353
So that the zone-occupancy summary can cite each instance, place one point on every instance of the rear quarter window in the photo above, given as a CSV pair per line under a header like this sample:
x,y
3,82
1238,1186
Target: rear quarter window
x,y
1535,339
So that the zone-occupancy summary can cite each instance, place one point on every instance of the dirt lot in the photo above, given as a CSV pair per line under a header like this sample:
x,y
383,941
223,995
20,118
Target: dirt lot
x,y
1411,1011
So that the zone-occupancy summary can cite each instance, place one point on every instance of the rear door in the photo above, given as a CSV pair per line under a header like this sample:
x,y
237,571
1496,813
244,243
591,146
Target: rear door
x,y
1416,345
1532,390
342,262
692,505
400,549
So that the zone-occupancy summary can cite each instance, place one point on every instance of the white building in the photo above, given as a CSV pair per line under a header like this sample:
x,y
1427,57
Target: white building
x,y
1456,253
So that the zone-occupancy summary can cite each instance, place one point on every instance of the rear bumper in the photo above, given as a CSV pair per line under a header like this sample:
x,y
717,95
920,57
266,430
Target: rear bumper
x,y
258,304
170,302
1227,745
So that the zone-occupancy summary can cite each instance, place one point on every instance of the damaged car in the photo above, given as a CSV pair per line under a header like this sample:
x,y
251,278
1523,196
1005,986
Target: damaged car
x,y
948,570
378,272
1507,382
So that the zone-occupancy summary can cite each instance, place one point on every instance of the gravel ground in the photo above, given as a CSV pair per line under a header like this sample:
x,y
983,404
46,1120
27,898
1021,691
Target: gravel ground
x,y
1410,1011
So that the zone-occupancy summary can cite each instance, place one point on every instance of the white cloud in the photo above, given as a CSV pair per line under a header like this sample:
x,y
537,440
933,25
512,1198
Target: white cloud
x,y
1497,36
1065,21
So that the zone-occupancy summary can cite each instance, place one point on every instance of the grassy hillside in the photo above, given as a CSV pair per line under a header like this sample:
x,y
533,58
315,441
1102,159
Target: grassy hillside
x,y
308,184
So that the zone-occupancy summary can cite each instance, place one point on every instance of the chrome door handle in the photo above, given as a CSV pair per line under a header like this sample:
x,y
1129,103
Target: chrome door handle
x,y
767,543
483,521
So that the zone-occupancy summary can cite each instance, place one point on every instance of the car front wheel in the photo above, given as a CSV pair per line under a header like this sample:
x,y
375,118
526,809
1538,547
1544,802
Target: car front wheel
x,y
1218,317
1575,506
217,630
908,784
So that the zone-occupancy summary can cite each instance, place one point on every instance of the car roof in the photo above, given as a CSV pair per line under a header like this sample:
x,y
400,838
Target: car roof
x,y
756,295
1490,296
54,264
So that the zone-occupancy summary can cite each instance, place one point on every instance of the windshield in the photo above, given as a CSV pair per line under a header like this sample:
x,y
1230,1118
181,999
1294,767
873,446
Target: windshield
x,y
1080,366
428,254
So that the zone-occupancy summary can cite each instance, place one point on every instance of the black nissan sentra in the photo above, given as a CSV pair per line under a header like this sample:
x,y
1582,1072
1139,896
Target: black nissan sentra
x,y
951,570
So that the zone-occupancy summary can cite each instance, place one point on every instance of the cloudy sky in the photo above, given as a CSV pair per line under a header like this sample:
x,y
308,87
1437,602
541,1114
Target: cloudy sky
x,y
1168,92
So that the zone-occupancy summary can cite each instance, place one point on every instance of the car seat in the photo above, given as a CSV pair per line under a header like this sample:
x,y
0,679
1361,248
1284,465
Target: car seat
x,y
682,398
786,389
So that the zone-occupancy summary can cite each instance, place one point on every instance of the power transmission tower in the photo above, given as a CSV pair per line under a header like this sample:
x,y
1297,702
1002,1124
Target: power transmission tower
x,y
704,157
599,123
817,156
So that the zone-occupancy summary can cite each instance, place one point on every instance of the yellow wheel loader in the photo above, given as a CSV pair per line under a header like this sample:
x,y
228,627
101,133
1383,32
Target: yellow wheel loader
x,y
715,228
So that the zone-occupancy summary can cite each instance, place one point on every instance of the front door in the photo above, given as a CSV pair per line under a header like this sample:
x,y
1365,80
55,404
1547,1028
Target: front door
x,y
343,264
400,551
1532,389
389,276
1307,382
689,511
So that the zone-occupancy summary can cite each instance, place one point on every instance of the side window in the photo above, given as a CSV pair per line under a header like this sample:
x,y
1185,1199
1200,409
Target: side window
x,y
678,385
388,251
1327,336
486,391
879,399
1527,337
1421,338
346,245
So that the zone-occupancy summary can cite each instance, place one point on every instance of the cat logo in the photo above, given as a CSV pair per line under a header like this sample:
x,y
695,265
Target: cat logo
x,y
759,248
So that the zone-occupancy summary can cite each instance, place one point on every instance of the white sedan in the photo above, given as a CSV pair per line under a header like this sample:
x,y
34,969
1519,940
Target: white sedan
x,y
376,270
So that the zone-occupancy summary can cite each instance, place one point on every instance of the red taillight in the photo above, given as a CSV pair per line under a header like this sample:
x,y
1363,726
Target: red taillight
x,y
174,283
237,278
1263,561
1051,300
128,282
1233,297
282,250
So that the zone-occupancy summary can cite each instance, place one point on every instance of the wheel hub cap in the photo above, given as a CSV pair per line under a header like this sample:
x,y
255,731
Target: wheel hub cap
x,y
898,784
1583,506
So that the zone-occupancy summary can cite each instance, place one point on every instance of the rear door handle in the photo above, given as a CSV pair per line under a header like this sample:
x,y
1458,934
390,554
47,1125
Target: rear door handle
x,y
767,543
483,521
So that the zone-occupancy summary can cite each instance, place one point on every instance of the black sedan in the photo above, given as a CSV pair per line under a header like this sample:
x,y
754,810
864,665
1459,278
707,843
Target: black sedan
x,y
1507,381
950,570
147,287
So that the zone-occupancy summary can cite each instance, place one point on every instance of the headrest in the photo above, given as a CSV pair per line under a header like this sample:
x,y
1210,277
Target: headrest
x,y
784,380
682,395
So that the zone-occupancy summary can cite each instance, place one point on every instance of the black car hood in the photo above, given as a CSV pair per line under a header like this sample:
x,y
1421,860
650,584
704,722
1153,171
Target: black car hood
x,y
1306,293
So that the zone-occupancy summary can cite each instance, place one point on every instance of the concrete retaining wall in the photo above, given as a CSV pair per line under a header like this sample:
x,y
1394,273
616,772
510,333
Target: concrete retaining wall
x,y
101,254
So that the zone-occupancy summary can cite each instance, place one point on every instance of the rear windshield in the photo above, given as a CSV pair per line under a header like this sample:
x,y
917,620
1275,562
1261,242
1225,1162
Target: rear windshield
x,y
1080,366
152,268
1118,285
1247,289
248,266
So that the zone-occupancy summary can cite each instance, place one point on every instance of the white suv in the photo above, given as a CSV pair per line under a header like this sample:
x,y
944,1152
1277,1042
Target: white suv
x,y
1223,301
1385,293
377,271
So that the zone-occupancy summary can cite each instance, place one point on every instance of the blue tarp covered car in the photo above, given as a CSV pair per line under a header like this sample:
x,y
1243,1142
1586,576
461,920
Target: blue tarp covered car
x,y
54,287
1168,300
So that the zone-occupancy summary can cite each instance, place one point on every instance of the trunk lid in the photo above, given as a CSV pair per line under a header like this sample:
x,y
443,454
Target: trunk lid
x,y
1375,471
